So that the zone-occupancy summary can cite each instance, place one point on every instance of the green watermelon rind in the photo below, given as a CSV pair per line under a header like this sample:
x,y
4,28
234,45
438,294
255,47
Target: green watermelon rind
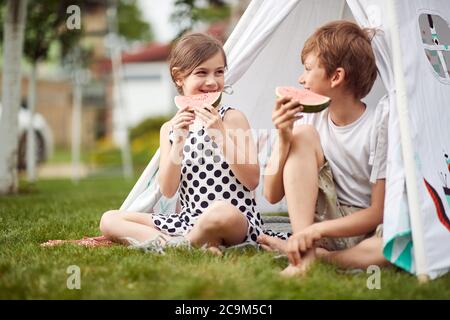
x,y
215,104
309,108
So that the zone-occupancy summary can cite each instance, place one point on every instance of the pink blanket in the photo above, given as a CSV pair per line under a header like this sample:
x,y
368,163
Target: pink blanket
x,y
100,241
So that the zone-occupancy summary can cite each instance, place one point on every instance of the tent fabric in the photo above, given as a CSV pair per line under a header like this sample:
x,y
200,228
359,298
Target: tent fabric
x,y
428,99
264,52
429,133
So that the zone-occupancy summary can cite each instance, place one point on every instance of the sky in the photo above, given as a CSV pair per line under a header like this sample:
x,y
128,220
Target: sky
x,y
158,12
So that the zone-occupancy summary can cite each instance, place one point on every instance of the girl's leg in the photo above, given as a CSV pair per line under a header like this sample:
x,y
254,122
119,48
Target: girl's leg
x,y
221,224
367,252
116,225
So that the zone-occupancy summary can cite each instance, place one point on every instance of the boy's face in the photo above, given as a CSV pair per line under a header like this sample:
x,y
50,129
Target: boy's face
x,y
207,77
314,77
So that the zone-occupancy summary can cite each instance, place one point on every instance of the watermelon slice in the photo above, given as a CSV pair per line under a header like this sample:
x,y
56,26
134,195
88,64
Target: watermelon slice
x,y
311,102
198,100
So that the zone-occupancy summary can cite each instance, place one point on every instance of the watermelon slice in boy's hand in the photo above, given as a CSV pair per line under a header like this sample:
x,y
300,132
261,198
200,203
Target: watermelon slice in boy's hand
x,y
311,102
199,100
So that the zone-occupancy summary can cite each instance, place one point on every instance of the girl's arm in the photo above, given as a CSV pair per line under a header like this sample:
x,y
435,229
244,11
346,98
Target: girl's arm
x,y
171,155
239,149
169,162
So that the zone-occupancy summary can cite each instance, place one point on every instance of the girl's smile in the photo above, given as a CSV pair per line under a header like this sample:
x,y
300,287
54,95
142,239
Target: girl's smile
x,y
207,77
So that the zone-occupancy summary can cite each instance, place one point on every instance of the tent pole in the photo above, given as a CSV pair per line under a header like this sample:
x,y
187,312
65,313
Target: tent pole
x,y
342,11
407,148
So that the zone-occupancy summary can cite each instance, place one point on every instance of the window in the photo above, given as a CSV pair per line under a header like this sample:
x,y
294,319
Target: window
x,y
435,33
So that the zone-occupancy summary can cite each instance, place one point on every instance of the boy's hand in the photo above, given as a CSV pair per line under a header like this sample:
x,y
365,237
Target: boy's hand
x,y
301,242
284,115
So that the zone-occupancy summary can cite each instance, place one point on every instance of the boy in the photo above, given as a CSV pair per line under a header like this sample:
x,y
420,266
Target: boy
x,y
334,189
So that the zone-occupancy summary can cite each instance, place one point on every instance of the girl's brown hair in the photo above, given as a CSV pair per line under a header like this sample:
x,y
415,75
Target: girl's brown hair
x,y
344,44
191,51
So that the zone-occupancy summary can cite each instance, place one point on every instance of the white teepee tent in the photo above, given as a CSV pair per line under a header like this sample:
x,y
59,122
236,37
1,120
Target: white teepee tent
x,y
264,51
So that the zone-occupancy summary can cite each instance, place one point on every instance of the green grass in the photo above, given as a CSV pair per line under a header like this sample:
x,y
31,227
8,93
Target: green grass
x,y
63,155
58,209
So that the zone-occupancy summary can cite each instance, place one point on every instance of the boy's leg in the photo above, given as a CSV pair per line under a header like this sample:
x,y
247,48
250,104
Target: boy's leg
x,y
301,188
115,225
301,176
368,252
221,224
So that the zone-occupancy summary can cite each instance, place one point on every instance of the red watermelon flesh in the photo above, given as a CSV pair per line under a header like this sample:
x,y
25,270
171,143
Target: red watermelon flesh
x,y
311,102
198,100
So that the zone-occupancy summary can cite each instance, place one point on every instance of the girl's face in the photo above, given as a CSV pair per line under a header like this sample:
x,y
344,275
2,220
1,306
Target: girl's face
x,y
314,77
206,77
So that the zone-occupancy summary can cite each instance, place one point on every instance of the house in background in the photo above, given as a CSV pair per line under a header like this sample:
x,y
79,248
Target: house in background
x,y
147,87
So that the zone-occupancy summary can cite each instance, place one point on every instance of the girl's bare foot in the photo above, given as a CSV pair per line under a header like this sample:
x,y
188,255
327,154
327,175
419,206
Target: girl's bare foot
x,y
272,243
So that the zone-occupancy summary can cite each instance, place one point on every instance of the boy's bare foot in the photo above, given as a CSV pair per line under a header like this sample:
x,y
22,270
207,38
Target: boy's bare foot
x,y
272,243
302,268
293,271
322,253
216,251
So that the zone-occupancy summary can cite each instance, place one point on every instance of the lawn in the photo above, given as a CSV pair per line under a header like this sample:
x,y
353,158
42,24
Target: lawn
x,y
58,209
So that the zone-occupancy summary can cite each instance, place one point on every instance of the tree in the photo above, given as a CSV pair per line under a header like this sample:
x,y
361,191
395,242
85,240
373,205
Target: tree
x,y
47,22
127,11
188,13
14,25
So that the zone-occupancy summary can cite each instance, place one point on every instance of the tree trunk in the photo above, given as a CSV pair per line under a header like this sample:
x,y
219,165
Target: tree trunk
x,y
76,122
31,141
120,112
14,26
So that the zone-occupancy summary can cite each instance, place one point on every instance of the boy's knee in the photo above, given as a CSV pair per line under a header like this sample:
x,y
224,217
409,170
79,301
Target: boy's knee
x,y
372,249
307,135
106,222
306,132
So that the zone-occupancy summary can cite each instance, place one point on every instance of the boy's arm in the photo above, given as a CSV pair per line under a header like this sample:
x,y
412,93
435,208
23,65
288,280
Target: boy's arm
x,y
358,223
284,115
273,174
361,222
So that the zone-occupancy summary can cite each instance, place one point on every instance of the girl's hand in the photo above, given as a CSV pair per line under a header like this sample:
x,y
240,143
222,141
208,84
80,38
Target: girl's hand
x,y
284,115
210,117
180,123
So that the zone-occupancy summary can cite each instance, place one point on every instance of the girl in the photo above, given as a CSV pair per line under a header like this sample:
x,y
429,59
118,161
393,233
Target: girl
x,y
217,206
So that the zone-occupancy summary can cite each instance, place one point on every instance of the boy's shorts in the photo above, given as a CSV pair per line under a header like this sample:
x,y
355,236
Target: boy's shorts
x,y
328,208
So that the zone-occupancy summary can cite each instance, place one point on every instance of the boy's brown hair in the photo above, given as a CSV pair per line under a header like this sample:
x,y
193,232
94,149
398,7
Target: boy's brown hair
x,y
190,51
344,44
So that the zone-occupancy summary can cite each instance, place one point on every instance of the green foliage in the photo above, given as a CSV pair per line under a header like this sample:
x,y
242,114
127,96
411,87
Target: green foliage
x,y
144,140
152,124
46,24
130,22
189,12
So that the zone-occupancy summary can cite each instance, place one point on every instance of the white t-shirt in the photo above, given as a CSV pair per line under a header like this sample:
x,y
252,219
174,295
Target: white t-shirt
x,y
356,153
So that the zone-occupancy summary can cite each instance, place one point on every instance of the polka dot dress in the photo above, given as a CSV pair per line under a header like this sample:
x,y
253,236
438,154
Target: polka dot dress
x,y
206,177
